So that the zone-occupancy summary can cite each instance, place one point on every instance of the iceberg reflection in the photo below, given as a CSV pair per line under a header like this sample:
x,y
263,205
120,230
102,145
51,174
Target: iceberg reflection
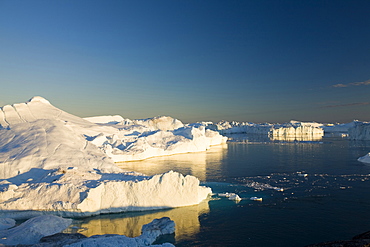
x,y
129,224
297,138
197,164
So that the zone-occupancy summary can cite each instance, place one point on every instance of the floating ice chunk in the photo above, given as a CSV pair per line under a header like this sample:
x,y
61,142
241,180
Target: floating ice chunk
x,y
254,198
302,174
31,231
234,197
230,196
365,159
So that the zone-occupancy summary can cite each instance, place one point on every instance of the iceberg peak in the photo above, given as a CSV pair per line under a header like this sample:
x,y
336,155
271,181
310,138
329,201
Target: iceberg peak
x,y
39,99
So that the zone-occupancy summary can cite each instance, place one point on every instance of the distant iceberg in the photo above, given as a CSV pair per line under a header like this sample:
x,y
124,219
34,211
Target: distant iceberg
x,y
57,162
293,129
359,131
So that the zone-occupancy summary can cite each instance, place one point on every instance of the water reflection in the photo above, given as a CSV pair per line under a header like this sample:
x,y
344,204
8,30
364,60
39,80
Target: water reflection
x,y
261,138
297,138
129,224
198,164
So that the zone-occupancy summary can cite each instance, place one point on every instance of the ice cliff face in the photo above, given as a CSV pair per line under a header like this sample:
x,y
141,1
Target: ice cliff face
x,y
54,161
359,131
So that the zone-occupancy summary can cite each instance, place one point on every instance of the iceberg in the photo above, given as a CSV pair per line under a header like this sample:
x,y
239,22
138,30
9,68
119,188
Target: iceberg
x,y
338,128
365,158
293,129
359,131
55,162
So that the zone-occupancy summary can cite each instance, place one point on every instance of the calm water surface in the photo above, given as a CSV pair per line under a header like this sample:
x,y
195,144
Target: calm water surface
x,y
330,203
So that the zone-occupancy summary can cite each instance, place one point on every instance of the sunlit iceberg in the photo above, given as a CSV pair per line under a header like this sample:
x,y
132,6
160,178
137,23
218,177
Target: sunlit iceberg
x,y
292,130
54,161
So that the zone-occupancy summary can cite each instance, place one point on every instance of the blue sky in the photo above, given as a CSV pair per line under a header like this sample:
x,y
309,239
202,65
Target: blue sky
x,y
256,61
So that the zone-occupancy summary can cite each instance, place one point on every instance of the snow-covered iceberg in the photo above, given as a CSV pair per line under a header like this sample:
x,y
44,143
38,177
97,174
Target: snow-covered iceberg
x,y
293,129
359,131
339,128
297,129
54,161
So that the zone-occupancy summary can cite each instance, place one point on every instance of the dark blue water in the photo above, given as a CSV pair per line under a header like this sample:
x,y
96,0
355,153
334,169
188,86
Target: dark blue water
x,y
330,203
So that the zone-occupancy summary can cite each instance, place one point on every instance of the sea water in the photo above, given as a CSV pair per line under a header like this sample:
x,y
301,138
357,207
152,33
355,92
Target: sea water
x,y
312,190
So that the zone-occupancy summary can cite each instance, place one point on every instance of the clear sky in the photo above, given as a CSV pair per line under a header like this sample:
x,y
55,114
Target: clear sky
x,y
256,61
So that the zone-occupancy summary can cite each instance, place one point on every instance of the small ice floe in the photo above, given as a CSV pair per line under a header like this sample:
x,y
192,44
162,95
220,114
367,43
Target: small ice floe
x,y
254,198
300,174
230,196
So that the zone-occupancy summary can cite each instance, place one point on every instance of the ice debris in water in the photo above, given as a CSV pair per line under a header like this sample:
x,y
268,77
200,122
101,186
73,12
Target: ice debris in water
x,y
262,186
254,198
300,174
230,196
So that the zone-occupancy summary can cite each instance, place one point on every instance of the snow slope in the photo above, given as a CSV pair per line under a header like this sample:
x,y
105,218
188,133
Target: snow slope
x,y
54,161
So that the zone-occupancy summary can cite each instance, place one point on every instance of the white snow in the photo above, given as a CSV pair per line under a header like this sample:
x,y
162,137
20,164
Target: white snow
x,y
31,231
54,161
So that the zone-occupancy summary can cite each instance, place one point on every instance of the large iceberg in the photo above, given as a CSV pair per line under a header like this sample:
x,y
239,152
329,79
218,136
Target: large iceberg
x,y
359,131
54,161
293,129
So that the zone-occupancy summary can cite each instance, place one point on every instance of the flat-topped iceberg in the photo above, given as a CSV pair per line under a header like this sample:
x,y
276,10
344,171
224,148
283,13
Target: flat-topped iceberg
x,y
293,129
359,131
54,161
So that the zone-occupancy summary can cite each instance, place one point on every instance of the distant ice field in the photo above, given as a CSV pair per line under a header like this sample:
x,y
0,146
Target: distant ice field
x,y
323,192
